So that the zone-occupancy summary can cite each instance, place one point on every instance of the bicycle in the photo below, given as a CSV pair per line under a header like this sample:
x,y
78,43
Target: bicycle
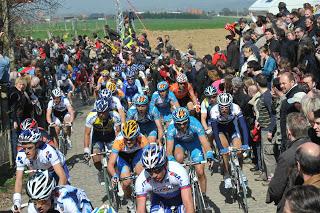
x,y
239,186
61,138
198,200
118,187
113,194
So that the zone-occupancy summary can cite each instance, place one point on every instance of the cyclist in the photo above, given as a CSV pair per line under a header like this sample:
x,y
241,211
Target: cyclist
x,y
167,181
184,93
186,133
37,155
66,85
115,99
46,197
226,119
105,126
131,86
206,106
60,111
126,156
164,100
114,78
30,123
102,81
147,118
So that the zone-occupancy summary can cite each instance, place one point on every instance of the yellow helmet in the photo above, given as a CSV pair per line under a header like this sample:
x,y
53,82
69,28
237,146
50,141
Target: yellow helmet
x,y
130,129
104,73
111,87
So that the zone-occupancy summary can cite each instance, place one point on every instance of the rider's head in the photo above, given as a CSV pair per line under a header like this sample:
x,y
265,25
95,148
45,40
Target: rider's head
x,y
105,74
114,76
56,95
28,123
111,87
181,118
154,161
224,102
141,103
29,139
39,188
130,76
102,107
64,77
163,88
182,80
211,94
105,94
130,131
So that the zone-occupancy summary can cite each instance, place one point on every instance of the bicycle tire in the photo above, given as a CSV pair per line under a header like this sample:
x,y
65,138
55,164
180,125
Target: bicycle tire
x,y
242,192
199,205
62,145
112,196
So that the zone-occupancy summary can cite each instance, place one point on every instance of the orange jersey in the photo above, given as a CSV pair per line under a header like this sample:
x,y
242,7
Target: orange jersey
x,y
181,93
119,144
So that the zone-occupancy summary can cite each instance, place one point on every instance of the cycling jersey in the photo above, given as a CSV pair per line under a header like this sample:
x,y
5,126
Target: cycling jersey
x,y
206,108
68,199
163,104
188,140
120,146
131,90
146,123
65,86
61,109
103,129
180,94
228,124
102,83
166,193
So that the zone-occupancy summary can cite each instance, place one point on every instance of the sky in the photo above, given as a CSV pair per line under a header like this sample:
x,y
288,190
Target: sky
x,y
108,6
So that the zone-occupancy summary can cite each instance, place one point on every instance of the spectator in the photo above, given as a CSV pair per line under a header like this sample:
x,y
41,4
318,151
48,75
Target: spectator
x,y
303,39
289,87
4,67
233,54
267,123
269,65
302,199
272,44
316,125
218,55
308,158
310,81
249,56
279,185
283,8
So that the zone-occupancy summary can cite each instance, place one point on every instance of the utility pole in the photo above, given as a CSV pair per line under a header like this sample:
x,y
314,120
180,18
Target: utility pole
x,y
119,18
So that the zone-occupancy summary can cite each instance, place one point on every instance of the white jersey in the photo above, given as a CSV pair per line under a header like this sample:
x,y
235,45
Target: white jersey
x,y
235,111
175,179
47,157
61,107
68,199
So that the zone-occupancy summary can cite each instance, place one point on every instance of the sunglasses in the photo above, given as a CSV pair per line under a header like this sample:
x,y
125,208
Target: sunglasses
x,y
184,123
130,79
154,171
39,202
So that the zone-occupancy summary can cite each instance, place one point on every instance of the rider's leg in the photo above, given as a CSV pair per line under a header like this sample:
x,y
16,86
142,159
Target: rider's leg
x,y
125,172
225,144
237,143
179,153
197,156
97,148
202,177
67,120
70,97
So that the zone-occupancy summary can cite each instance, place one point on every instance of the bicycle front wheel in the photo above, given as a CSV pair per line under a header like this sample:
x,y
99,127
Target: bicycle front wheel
x,y
111,193
199,202
242,193
63,145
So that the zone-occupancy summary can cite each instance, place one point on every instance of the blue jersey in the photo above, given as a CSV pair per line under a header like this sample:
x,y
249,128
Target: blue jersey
x,y
131,90
194,131
152,115
163,104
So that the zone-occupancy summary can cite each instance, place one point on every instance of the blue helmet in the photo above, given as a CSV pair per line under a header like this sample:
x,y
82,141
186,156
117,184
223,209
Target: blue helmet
x,y
153,157
117,68
141,100
105,94
141,67
29,136
180,114
162,86
130,73
102,105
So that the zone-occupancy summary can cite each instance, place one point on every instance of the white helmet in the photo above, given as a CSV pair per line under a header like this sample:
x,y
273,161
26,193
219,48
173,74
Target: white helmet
x,y
57,92
153,157
40,185
29,136
182,78
210,91
224,99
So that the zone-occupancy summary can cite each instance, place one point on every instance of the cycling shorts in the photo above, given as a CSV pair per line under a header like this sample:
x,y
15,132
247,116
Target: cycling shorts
x,y
228,130
166,115
161,204
194,148
59,120
149,129
100,144
66,171
128,160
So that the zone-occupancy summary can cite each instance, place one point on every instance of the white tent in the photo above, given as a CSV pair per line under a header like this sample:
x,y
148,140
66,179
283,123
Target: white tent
x,y
261,7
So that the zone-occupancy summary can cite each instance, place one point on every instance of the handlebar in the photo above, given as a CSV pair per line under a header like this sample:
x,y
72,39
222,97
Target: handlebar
x,y
101,153
191,163
131,177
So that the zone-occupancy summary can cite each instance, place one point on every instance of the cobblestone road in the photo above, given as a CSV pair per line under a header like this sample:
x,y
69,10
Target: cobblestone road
x,y
86,177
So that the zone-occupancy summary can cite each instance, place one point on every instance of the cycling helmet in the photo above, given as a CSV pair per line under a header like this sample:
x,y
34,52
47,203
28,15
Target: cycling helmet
x,y
114,75
29,136
64,77
180,114
210,91
105,94
57,92
141,100
182,78
141,67
224,99
102,105
162,86
28,123
104,73
153,157
111,87
130,73
40,185
117,68
130,129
